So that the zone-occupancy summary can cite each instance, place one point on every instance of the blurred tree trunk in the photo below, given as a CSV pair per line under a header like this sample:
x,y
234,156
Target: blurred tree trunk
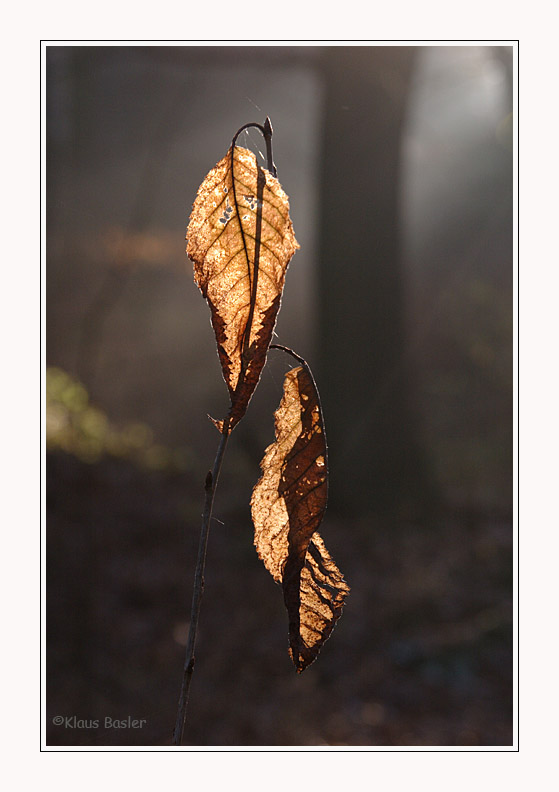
x,y
375,460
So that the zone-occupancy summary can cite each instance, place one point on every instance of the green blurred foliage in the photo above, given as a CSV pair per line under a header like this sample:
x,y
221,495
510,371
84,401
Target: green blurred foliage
x,y
80,428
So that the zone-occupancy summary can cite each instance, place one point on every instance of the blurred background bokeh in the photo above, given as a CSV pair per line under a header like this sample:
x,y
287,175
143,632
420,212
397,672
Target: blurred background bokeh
x,y
398,165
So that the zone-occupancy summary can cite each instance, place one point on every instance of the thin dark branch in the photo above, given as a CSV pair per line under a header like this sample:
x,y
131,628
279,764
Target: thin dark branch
x,y
267,133
251,124
292,353
210,488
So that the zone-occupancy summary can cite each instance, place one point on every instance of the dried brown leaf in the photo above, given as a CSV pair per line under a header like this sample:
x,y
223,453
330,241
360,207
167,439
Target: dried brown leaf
x,y
240,239
288,504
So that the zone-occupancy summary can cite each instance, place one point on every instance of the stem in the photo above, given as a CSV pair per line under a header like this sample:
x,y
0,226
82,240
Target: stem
x,y
267,133
210,488
292,353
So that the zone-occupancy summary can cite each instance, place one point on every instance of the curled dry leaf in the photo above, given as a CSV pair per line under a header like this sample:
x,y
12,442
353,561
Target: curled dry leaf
x,y
288,504
240,239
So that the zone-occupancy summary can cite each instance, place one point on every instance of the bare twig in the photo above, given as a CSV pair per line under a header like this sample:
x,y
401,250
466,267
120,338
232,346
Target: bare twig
x,y
210,487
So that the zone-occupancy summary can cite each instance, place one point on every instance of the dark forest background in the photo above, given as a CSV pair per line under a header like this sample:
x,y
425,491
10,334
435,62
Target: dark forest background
x,y
398,165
